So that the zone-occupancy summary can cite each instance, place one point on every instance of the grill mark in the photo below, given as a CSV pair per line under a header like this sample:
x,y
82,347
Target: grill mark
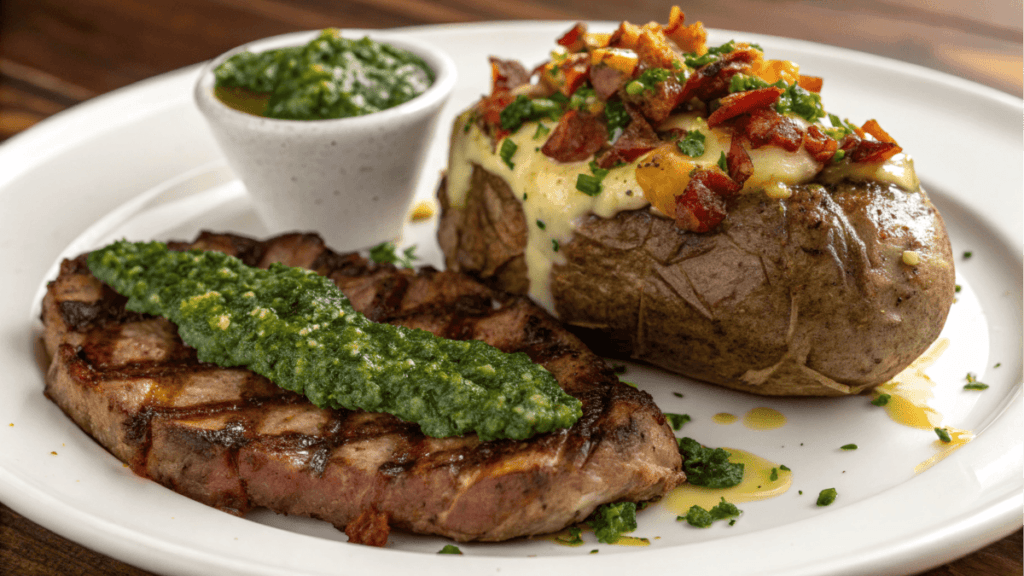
x,y
459,317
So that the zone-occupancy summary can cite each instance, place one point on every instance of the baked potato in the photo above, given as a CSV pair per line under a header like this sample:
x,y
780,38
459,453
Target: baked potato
x,y
781,256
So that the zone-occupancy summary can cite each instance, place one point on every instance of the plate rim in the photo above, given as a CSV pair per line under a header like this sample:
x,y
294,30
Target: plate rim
x,y
58,121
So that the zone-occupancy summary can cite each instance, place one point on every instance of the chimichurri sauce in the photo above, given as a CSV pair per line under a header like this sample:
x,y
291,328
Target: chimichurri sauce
x,y
296,328
331,77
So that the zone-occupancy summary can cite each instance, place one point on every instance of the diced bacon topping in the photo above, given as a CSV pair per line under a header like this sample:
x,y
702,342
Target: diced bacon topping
x,y
637,139
860,150
810,83
743,102
740,166
507,75
577,136
819,145
766,126
569,74
712,80
701,206
573,40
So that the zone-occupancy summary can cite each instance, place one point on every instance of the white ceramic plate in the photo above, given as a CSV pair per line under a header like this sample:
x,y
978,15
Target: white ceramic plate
x,y
140,162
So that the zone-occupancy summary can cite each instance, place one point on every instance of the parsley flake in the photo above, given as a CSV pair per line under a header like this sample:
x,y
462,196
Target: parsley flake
x,y
384,253
827,496
943,435
692,144
611,521
881,400
709,467
848,447
677,420
450,549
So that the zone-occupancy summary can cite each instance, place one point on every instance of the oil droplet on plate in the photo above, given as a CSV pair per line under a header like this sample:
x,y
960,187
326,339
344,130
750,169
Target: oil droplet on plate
x,y
764,419
910,390
756,485
958,438
632,541
724,418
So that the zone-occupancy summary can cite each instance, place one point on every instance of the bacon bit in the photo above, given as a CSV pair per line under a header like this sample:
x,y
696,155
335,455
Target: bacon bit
x,y
654,51
766,126
712,80
819,145
810,83
577,136
872,127
625,36
607,80
743,102
738,161
637,139
860,150
567,76
490,108
507,75
692,38
370,528
573,40
701,207
656,107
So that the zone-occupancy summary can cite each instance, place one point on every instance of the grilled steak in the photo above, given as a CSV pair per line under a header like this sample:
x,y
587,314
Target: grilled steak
x,y
233,440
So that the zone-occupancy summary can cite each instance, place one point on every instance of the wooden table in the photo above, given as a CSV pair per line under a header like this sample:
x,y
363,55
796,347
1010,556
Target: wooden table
x,y
57,53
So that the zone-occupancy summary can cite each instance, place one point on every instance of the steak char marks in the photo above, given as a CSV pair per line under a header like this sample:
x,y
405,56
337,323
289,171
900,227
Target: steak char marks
x,y
233,440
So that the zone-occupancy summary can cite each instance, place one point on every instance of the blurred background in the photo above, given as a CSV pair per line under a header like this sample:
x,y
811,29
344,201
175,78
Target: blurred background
x,y
57,53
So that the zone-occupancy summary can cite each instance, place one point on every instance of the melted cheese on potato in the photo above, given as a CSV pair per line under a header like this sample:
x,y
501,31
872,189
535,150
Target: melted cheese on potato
x,y
554,207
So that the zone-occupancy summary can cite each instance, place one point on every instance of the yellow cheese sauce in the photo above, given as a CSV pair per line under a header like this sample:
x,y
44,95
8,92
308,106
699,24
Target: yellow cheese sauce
x,y
910,390
756,485
909,393
764,419
724,418
958,438
553,207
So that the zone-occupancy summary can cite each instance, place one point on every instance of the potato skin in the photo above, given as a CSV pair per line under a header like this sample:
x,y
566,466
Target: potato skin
x,y
803,296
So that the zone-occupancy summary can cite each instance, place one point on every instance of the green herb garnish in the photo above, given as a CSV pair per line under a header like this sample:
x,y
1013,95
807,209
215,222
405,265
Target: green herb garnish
x,y
701,518
508,149
881,400
541,131
297,329
784,467
968,254
848,447
827,496
677,420
450,549
540,224
611,521
723,163
709,467
943,435
554,245
384,253
524,109
692,144
588,184
615,115
973,384
574,538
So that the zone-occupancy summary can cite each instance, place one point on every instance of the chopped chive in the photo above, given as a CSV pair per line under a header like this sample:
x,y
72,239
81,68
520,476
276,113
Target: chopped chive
x,y
957,289
554,245
588,184
723,163
540,224
508,149
784,467
677,394
775,475
542,130
848,447
943,435
881,400
968,254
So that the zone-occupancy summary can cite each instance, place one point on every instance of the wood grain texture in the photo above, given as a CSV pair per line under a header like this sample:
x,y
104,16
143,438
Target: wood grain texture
x,y
57,53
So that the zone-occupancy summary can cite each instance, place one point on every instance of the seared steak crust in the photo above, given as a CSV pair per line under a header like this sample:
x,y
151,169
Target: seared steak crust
x,y
231,439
